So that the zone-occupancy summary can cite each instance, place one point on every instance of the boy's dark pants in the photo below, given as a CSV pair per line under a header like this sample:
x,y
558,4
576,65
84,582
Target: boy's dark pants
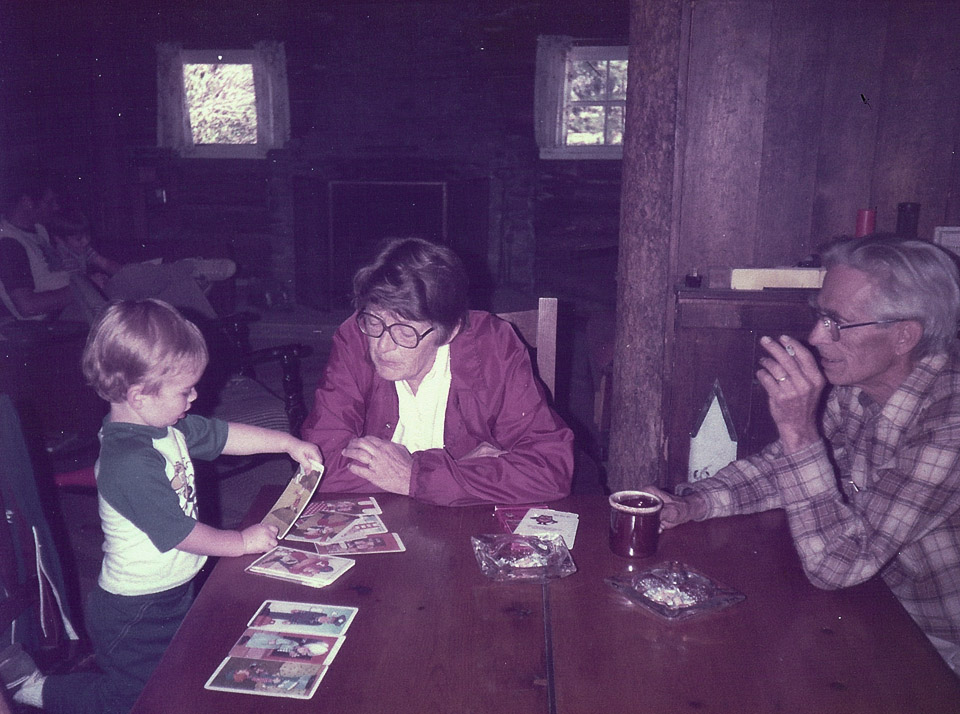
x,y
129,634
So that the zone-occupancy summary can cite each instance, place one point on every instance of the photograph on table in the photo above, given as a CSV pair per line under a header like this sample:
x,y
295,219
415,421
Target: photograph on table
x,y
293,680
368,545
303,618
324,528
361,527
359,506
287,647
299,566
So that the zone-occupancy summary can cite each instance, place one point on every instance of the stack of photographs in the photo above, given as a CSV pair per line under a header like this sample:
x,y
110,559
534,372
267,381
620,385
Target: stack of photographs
x,y
345,526
285,651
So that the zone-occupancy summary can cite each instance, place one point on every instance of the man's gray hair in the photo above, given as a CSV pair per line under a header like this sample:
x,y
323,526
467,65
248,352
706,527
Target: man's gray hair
x,y
912,280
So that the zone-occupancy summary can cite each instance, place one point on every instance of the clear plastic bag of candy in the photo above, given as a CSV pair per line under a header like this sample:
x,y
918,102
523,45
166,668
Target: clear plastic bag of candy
x,y
505,556
675,592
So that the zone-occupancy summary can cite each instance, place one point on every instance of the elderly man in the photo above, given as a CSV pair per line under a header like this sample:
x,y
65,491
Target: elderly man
x,y
874,487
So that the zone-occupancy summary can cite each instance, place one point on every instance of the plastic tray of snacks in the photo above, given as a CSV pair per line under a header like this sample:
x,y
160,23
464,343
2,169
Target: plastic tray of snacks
x,y
505,556
674,591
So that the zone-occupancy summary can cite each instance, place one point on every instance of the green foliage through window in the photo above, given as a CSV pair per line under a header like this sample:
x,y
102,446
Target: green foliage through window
x,y
595,102
221,102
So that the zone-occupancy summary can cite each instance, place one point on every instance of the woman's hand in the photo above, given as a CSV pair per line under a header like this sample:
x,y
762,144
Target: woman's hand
x,y
384,464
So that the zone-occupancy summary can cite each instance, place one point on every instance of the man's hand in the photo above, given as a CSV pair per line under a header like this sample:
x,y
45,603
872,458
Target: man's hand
x,y
793,383
384,464
677,510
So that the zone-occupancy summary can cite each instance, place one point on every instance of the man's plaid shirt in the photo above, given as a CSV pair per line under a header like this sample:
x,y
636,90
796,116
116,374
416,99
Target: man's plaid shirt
x,y
891,503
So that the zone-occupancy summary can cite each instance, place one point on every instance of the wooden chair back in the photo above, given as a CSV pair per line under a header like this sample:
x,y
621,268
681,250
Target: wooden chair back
x,y
538,328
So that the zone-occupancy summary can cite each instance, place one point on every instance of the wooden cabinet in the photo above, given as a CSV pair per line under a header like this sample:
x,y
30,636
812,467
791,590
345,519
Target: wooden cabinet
x,y
716,340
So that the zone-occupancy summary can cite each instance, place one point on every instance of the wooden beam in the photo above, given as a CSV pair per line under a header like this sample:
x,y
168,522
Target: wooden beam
x,y
643,271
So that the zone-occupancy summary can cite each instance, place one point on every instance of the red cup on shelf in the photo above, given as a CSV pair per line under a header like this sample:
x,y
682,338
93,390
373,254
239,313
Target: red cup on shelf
x,y
866,222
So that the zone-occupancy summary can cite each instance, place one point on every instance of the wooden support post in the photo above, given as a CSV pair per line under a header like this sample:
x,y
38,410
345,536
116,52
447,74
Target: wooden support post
x,y
646,218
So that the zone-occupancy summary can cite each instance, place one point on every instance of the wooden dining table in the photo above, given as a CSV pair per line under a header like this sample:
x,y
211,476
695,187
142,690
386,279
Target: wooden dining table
x,y
434,634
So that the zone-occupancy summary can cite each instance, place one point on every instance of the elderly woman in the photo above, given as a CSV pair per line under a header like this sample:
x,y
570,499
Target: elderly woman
x,y
424,398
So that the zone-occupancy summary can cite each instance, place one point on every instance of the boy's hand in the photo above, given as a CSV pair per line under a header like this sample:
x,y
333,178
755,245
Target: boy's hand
x,y
259,538
306,454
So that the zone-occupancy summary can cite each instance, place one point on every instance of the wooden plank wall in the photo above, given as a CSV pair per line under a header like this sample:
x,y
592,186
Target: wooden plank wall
x,y
799,112
726,87
845,144
921,87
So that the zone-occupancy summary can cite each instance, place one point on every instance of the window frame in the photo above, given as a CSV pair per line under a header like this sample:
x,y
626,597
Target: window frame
x,y
272,102
552,86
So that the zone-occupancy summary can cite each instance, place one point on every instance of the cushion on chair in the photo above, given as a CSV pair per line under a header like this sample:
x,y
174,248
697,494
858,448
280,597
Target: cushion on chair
x,y
246,401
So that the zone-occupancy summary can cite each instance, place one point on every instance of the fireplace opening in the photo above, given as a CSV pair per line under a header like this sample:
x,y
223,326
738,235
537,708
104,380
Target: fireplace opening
x,y
362,215
340,225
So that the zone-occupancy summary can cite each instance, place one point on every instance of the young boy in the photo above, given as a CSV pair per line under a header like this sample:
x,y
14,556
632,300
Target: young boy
x,y
145,359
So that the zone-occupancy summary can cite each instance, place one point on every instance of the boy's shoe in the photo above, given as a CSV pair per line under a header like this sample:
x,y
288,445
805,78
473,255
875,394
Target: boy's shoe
x,y
213,269
16,667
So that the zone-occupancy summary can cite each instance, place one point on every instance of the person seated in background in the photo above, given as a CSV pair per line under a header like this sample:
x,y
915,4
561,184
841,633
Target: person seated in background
x,y
44,278
424,398
181,282
873,486
71,238
33,285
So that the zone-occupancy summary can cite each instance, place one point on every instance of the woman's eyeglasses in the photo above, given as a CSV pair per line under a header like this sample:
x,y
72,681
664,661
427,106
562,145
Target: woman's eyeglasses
x,y
403,335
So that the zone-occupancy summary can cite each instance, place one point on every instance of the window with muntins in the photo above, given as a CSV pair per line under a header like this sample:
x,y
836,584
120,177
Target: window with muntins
x,y
222,103
580,99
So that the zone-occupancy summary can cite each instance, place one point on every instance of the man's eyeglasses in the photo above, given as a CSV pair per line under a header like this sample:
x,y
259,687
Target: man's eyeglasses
x,y
833,327
403,335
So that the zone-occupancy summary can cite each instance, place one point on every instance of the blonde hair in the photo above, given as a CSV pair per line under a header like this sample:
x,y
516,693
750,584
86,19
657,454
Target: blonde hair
x,y
140,342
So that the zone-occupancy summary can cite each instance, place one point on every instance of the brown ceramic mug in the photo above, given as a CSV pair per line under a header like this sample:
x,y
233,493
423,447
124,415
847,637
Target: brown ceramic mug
x,y
634,523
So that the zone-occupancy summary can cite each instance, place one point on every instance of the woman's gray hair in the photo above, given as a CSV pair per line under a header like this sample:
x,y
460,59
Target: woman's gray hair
x,y
418,280
912,280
